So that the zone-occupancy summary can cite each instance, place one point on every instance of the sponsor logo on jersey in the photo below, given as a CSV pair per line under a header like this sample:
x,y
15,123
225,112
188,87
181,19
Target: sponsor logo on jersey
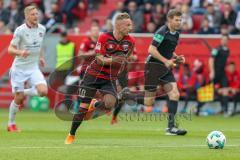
x,y
125,47
98,46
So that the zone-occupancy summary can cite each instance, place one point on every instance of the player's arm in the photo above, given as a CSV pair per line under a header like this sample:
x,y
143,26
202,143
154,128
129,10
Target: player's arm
x,y
178,58
107,61
133,57
41,58
87,54
132,54
12,49
156,42
211,68
101,56
211,64
16,52
103,60
157,55
84,52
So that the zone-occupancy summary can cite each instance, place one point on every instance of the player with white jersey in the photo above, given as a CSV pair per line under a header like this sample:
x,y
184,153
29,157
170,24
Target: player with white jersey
x,y
26,46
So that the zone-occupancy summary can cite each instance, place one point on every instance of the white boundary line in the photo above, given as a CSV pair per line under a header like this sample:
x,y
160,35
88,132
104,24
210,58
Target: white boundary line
x,y
110,146
196,36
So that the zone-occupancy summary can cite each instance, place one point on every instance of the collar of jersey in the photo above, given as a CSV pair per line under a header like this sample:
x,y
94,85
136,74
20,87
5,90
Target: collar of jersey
x,y
30,26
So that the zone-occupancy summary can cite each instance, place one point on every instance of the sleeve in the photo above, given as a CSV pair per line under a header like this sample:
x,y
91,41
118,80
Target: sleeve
x,y
44,30
84,46
16,38
238,80
133,49
100,46
158,38
214,52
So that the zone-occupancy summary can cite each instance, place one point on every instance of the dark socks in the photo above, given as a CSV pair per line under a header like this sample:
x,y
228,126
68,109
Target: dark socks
x,y
224,103
172,110
117,109
137,97
77,120
199,106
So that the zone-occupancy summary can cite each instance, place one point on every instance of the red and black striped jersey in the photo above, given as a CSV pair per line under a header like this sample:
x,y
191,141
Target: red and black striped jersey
x,y
108,46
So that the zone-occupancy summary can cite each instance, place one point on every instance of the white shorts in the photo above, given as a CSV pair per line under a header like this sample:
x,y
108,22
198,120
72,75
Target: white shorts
x,y
19,77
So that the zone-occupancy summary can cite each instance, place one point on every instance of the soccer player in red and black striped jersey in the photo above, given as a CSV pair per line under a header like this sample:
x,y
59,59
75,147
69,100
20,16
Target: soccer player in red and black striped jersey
x,y
113,50
87,49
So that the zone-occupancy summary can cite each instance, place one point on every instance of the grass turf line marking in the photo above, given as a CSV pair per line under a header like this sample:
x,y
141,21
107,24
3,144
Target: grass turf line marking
x,y
110,146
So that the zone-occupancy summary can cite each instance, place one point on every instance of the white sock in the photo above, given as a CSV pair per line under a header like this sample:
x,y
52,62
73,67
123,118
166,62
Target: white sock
x,y
30,91
13,109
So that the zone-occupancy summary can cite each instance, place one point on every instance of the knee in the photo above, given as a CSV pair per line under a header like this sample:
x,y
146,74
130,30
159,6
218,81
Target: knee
x,y
174,95
19,97
110,103
42,92
149,101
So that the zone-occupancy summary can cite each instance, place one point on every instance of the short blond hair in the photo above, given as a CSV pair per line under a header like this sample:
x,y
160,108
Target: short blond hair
x,y
121,16
173,12
29,8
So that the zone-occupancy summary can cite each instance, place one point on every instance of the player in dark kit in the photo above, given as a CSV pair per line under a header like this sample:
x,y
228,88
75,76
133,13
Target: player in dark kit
x,y
113,50
217,64
158,68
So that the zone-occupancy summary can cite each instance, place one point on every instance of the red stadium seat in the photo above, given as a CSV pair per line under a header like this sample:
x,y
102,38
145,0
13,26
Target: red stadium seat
x,y
197,20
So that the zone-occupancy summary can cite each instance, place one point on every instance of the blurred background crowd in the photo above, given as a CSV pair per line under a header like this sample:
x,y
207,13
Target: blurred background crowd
x,y
199,16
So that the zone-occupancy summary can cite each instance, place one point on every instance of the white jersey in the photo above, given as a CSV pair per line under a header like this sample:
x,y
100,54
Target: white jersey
x,y
30,39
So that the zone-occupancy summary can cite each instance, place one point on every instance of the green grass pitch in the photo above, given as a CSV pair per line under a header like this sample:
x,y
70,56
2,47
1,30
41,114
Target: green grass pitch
x,y
43,137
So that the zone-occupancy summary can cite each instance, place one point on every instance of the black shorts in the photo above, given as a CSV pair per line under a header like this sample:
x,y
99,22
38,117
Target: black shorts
x,y
90,85
221,80
157,74
73,88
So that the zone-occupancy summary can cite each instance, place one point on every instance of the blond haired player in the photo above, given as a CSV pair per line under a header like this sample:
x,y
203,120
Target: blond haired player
x,y
26,46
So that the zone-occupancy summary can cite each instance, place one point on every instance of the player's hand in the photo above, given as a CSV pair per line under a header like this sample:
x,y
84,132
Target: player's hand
x,y
24,53
42,62
91,52
119,59
170,63
132,58
179,59
211,75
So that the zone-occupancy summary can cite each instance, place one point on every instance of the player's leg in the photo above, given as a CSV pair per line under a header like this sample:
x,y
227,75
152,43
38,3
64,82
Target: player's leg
x,y
13,109
236,100
173,98
17,79
224,93
42,89
86,93
149,97
77,120
109,90
38,83
109,101
116,111
153,73
152,76
123,81
199,106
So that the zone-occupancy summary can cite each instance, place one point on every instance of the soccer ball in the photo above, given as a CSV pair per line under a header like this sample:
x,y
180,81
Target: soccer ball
x,y
216,140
